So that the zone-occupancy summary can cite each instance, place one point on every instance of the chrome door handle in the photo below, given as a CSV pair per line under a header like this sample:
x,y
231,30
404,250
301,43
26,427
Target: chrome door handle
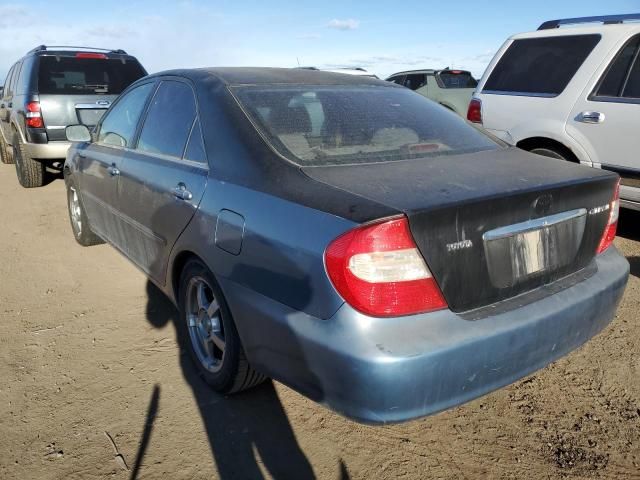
x,y
113,171
180,192
590,117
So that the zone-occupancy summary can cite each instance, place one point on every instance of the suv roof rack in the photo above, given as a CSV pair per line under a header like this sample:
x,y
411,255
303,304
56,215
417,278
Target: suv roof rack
x,y
605,19
42,48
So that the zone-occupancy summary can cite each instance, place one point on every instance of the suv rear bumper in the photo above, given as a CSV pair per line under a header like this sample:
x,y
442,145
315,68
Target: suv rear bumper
x,y
379,370
48,151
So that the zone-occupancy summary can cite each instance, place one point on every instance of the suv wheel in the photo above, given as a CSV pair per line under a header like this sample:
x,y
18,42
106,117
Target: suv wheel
x,y
79,222
30,172
4,152
209,333
551,153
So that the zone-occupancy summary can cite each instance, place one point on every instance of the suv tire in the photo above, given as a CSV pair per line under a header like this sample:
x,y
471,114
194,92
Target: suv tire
x,y
203,315
4,152
551,153
79,222
30,172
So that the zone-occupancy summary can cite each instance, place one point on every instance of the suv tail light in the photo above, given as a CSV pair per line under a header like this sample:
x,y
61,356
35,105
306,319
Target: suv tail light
x,y
612,225
474,113
33,115
100,56
379,271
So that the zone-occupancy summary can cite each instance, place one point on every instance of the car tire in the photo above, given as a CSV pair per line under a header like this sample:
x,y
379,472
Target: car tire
x,y
551,153
209,333
79,222
4,152
30,172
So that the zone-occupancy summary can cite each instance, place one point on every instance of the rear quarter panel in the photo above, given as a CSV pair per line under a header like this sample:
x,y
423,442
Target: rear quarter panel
x,y
282,250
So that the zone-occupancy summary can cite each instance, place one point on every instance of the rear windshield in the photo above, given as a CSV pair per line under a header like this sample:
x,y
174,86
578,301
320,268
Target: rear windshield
x,y
540,66
70,75
314,126
456,79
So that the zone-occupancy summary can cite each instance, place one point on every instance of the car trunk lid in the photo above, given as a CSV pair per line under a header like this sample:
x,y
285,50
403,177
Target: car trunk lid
x,y
490,225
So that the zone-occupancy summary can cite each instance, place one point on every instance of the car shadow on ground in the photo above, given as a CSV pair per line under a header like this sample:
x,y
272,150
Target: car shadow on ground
x,y
629,224
239,427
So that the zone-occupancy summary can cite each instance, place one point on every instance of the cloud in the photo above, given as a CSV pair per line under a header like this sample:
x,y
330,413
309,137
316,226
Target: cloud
x,y
348,24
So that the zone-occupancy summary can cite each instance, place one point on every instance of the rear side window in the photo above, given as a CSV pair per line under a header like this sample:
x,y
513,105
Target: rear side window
x,y
618,81
338,125
121,121
540,66
71,75
456,79
170,120
632,89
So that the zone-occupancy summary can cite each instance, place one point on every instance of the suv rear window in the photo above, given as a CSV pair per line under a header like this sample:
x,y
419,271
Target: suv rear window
x,y
540,66
322,125
70,75
456,79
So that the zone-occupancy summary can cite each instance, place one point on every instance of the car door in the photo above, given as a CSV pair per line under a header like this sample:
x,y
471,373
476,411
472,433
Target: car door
x,y
605,120
99,162
164,178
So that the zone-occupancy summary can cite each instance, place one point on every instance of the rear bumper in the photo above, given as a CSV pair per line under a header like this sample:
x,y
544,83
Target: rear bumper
x,y
48,151
390,370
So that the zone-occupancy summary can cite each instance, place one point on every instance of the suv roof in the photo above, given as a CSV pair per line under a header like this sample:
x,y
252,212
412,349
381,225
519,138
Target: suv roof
x,y
63,50
604,19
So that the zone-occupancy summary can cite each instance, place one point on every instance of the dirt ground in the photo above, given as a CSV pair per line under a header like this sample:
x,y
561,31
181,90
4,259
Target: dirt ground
x,y
93,385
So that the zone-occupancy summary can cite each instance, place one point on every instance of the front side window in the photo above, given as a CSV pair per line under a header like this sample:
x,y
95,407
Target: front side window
x,y
119,124
73,75
337,125
540,66
616,76
415,80
399,79
170,119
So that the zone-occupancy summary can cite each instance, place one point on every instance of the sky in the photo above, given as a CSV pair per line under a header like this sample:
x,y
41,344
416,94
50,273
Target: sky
x,y
382,36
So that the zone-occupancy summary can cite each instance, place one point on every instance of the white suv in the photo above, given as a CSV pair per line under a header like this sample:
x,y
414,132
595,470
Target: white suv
x,y
571,93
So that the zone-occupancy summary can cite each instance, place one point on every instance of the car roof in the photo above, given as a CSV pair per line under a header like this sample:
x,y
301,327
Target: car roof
x,y
406,72
621,29
273,76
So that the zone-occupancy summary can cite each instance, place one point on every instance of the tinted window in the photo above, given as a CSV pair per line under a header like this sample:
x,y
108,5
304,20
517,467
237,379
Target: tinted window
x,y
632,89
120,122
415,81
195,148
7,83
542,66
22,84
14,77
70,75
169,121
399,80
613,81
358,124
456,79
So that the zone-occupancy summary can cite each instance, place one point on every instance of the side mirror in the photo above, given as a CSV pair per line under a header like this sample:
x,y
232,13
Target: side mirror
x,y
78,133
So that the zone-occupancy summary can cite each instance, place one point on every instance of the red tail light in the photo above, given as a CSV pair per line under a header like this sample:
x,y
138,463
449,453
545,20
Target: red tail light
x,y
379,271
474,113
33,115
101,56
612,224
